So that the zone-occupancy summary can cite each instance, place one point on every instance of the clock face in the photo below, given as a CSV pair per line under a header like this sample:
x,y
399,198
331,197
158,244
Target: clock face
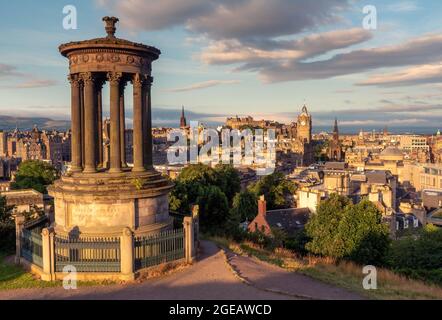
x,y
303,123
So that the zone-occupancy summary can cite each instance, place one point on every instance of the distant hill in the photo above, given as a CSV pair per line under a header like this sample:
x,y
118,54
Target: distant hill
x,y
9,123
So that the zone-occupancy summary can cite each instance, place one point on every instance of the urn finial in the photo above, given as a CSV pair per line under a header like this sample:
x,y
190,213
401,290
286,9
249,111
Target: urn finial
x,y
110,26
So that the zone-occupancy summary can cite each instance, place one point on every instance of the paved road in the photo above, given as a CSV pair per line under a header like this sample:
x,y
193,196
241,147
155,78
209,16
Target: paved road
x,y
209,278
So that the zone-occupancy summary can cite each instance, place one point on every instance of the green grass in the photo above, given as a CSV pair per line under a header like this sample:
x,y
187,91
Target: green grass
x,y
15,277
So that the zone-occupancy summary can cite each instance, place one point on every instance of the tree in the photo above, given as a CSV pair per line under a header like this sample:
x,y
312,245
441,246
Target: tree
x,y
34,174
214,208
245,206
7,226
340,229
228,180
418,256
278,191
209,188
5,211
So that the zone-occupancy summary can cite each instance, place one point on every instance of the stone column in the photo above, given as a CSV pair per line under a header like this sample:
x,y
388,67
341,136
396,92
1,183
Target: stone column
x,y
147,123
137,82
89,123
99,97
76,152
82,120
127,255
122,125
189,241
19,222
48,254
115,142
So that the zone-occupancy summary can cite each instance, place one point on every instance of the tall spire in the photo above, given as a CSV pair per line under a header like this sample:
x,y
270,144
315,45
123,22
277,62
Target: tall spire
x,y
183,122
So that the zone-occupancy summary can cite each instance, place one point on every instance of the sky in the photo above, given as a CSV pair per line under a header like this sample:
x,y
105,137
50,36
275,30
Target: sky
x,y
242,57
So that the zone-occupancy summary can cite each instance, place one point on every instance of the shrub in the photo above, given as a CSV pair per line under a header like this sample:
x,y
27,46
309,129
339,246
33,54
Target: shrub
x,y
340,229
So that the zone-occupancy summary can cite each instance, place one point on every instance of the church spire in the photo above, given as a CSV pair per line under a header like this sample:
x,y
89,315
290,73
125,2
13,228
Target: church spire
x,y
183,122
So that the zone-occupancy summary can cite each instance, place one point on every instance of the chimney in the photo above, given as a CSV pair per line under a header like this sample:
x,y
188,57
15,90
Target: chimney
x,y
262,206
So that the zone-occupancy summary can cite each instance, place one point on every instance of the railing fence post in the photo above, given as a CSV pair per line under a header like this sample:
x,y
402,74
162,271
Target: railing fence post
x,y
47,252
127,254
196,222
189,242
19,223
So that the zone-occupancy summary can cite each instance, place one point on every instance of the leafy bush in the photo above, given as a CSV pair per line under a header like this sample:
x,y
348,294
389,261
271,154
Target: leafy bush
x,y
34,174
297,242
278,191
418,256
7,237
341,229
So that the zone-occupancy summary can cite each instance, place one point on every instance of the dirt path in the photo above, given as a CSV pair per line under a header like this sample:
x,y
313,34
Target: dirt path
x,y
271,278
210,278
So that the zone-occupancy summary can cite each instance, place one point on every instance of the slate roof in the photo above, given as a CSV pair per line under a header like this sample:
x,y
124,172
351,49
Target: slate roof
x,y
289,220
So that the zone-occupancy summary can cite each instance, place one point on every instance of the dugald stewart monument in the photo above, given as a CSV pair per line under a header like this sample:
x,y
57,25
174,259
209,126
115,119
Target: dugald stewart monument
x,y
102,195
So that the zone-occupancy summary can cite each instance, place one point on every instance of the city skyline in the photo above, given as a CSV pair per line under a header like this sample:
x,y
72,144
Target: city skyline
x,y
367,79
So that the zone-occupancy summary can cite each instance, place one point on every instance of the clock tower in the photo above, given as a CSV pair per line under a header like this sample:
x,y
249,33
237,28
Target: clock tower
x,y
304,126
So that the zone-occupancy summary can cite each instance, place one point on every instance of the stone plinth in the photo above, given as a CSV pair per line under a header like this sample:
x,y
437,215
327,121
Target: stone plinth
x,y
103,203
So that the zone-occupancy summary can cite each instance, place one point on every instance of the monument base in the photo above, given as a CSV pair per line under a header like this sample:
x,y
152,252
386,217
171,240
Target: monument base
x,y
103,203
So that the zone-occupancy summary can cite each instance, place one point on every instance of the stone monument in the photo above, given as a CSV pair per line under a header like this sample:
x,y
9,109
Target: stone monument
x,y
97,197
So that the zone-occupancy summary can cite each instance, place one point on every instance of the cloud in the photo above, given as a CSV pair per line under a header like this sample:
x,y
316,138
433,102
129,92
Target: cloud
x,y
233,51
36,83
228,19
203,85
8,70
411,76
403,6
424,49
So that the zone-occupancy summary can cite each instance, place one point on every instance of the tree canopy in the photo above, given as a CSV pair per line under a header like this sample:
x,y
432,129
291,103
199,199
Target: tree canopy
x,y
34,174
245,206
341,229
278,191
213,189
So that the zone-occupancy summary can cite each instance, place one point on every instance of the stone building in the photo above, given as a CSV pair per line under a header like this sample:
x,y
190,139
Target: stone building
x,y
3,143
334,148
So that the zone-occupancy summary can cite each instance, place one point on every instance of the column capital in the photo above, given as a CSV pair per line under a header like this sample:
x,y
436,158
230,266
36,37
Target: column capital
x,y
114,77
74,80
87,77
138,80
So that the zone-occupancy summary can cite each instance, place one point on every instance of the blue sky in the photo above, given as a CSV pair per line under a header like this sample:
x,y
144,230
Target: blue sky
x,y
224,57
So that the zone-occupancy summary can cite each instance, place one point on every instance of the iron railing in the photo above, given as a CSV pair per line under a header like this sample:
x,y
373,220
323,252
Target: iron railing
x,y
160,248
88,254
31,247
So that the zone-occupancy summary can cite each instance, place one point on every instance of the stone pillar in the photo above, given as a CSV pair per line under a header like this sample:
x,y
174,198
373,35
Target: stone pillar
x,y
115,142
122,125
137,82
127,255
82,120
99,88
196,224
48,254
147,124
89,123
19,222
189,241
76,152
